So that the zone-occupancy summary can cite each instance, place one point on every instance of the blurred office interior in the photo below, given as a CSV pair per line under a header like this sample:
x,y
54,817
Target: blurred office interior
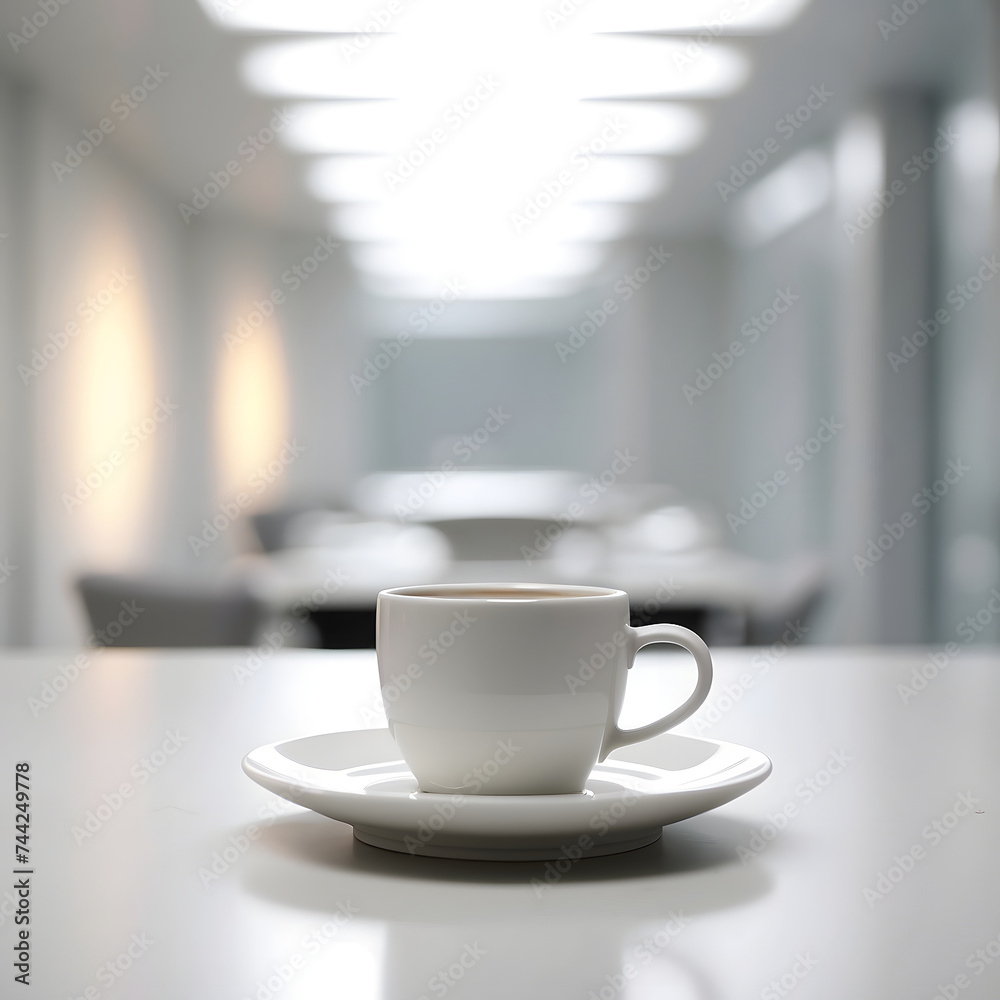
x,y
302,300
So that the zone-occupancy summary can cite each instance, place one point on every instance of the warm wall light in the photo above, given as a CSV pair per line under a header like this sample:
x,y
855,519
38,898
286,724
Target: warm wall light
x,y
112,419
252,421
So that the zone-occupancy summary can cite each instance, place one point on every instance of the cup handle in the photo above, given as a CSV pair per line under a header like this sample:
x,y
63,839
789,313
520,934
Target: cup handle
x,y
639,637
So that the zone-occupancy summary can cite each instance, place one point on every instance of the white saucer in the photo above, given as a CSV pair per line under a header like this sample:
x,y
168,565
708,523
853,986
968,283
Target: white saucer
x,y
358,778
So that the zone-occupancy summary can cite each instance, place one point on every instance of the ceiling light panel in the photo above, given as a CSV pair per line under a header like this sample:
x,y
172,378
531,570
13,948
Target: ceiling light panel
x,y
425,288
367,18
694,17
444,70
381,223
556,260
510,185
392,127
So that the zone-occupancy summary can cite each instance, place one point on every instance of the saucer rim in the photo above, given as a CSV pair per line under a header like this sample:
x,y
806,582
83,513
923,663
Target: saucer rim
x,y
509,816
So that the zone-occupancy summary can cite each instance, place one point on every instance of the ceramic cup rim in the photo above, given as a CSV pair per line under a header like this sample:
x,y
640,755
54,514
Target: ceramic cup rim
x,y
550,593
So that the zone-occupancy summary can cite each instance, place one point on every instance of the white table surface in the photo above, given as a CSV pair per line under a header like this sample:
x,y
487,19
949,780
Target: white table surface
x,y
692,916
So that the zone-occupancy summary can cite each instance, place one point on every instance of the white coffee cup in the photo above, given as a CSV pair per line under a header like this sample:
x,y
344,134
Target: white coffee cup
x,y
512,689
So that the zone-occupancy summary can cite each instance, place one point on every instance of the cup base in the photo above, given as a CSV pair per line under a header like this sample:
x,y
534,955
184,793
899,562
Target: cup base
x,y
536,788
512,762
478,849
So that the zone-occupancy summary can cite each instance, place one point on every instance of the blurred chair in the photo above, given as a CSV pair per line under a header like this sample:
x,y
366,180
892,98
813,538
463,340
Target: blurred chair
x,y
273,527
789,614
140,611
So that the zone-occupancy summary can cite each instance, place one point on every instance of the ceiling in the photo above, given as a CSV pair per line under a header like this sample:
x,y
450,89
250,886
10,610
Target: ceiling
x,y
92,50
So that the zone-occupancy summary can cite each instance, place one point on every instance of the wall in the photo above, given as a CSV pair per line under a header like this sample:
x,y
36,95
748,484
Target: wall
x,y
119,434
273,414
581,378
12,570
967,358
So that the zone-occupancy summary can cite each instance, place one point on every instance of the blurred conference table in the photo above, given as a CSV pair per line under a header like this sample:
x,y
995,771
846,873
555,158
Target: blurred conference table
x,y
865,866
497,526
715,591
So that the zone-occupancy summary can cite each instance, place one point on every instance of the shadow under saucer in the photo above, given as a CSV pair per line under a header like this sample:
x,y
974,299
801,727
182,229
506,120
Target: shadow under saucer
x,y
309,861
